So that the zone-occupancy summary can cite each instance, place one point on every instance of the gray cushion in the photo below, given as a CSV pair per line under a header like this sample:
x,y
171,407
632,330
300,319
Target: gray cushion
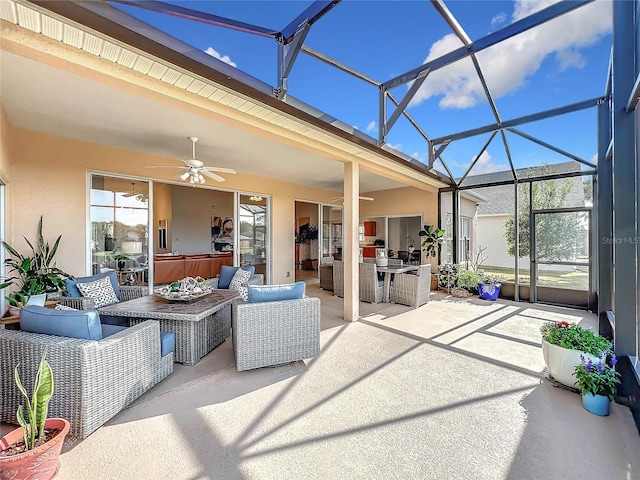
x,y
72,289
273,293
64,323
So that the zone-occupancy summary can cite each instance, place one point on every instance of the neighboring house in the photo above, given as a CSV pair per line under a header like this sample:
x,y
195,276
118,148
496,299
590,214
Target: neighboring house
x,y
499,206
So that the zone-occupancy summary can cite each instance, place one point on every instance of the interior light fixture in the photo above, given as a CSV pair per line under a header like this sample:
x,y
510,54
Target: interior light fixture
x,y
255,198
184,176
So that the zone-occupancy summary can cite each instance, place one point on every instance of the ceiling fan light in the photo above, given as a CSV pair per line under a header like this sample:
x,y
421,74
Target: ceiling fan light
x,y
184,176
200,178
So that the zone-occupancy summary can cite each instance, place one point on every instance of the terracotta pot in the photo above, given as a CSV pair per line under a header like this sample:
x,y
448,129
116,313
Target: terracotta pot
x,y
42,462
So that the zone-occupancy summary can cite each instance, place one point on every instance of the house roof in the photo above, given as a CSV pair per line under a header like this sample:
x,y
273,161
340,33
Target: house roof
x,y
500,197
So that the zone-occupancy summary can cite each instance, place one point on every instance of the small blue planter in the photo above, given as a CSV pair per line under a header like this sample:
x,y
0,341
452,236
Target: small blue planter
x,y
488,292
596,404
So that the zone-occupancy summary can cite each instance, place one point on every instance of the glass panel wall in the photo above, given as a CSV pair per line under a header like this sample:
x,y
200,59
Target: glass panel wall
x,y
119,228
253,232
332,232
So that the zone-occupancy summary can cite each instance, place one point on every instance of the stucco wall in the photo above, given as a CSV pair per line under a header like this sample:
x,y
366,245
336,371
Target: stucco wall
x,y
491,236
190,229
50,179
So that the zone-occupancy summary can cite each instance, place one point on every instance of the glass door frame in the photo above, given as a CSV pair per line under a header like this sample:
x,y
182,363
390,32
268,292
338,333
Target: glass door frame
x,y
534,262
267,237
88,238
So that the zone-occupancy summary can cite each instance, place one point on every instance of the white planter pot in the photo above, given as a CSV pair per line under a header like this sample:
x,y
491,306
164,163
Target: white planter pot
x,y
561,362
382,262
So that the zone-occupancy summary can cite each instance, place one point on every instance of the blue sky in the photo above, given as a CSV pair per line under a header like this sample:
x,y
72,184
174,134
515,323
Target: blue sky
x,y
559,63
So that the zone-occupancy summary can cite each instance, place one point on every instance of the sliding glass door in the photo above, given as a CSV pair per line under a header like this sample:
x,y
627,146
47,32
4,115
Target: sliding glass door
x,y
120,228
253,235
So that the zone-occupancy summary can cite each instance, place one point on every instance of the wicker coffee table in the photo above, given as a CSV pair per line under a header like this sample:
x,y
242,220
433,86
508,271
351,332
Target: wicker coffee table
x,y
199,326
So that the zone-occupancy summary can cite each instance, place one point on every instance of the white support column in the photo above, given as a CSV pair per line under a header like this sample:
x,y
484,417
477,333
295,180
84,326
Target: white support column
x,y
350,242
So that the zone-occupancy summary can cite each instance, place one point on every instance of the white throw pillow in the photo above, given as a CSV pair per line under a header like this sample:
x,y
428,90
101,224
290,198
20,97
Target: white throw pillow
x,y
239,282
101,291
60,306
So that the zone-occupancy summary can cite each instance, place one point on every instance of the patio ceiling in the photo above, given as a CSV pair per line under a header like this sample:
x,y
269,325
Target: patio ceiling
x,y
76,103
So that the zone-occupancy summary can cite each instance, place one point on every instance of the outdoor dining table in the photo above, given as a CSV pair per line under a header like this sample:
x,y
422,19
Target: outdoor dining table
x,y
199,326
388,271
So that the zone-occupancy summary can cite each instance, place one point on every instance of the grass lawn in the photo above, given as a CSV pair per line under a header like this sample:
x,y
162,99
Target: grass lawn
x,y
576,279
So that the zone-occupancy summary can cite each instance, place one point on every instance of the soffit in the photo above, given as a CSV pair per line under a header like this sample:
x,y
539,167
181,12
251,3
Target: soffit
x,y
214,95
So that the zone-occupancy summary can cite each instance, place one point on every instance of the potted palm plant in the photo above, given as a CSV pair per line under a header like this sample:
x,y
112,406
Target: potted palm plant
x,y
33,450
35,273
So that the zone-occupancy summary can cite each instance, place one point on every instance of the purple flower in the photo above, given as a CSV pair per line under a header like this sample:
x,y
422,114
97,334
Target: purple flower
x,y
614,360
589,366
600,367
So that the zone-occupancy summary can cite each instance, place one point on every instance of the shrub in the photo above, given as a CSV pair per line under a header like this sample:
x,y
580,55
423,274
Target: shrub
x,y
574,337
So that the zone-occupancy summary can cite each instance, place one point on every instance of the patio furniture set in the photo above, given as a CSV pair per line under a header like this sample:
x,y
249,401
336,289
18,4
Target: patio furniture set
x,y
401,283
104,357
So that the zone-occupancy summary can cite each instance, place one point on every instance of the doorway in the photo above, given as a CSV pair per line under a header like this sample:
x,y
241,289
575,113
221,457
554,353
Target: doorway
x,y
561,265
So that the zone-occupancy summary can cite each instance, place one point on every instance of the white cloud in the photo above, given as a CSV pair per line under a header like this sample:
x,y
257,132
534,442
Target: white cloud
x,y
484,164
507,65
498,19
418,156
225,58
397,146
371,127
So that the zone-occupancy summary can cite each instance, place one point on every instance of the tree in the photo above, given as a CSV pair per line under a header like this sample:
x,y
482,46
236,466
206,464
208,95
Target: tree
x,y
558,234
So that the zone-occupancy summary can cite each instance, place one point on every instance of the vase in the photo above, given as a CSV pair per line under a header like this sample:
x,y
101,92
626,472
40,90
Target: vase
x,y
40,463
561,362
596,404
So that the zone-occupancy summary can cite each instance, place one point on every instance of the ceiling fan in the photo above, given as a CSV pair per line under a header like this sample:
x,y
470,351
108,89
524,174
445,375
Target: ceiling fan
x,y
140,196
195,170
360,197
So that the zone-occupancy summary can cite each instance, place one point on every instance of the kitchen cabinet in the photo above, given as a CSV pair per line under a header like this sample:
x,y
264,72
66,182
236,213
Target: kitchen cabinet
x,y
369,229
369,252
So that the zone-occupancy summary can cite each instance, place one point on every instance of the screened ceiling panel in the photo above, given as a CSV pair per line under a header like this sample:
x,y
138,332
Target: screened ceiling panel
x,y
513,73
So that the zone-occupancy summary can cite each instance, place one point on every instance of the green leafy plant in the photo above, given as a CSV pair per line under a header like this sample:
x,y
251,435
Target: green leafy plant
x,y
575,337
433,238
35,273
37,407
491,279
469,279
597,378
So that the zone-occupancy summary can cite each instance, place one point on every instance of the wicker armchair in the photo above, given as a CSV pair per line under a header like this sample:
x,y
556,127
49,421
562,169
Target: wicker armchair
x,y
338,278
410,289
326,276
272,333
94,379
371,288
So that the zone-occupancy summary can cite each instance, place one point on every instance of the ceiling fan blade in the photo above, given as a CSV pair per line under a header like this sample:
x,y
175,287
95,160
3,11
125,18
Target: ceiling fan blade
x,y
219,169
166,166
217,178
360,197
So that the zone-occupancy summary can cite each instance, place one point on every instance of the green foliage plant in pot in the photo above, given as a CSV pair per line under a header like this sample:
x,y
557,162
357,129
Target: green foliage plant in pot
x,y
33,450
562,345
35,273
597,382
431,240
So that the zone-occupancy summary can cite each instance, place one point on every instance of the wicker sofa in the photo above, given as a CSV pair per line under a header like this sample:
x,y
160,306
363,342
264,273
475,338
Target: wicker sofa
x,y
94,379
274,332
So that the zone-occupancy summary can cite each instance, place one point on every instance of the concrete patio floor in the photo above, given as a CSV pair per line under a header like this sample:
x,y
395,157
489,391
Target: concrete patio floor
x,y
451,390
